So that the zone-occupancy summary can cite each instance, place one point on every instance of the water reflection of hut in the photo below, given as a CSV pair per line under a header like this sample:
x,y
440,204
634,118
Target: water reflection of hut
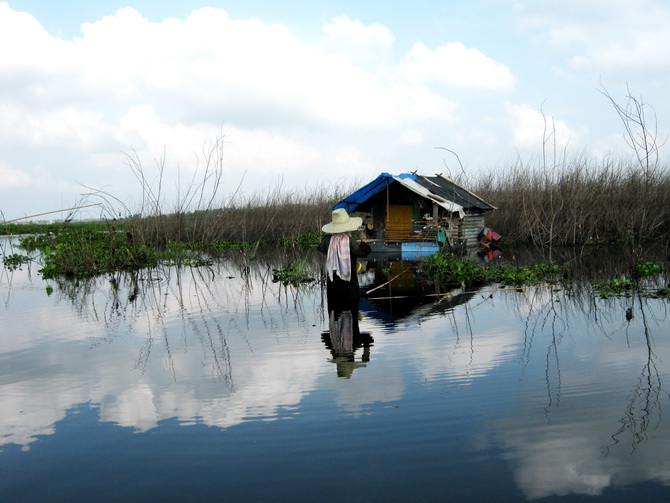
x,y
398,309
418,212
395,290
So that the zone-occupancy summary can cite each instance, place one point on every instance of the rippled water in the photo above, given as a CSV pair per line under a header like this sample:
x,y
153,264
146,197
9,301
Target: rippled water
x,y
219,385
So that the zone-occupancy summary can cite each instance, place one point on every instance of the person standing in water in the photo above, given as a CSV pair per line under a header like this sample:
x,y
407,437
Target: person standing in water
x,y
342,252
342,292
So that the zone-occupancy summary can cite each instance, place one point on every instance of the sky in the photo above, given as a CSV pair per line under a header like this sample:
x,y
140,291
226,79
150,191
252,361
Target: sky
x,y
303,96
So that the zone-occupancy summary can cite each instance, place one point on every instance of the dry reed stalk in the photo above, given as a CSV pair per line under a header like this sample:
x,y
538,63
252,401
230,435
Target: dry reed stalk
x,y
585,202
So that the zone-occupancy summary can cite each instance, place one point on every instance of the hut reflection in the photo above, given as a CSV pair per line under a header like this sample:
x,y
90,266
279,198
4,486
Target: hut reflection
x,y
344,337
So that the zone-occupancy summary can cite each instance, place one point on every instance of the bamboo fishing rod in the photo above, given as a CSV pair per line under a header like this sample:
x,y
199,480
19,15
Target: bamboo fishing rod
x,y
384,284
50,212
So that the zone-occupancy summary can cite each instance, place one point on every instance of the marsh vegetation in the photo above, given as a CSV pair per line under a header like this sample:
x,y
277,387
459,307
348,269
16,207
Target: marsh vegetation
x,y
556,200
580,204
582,201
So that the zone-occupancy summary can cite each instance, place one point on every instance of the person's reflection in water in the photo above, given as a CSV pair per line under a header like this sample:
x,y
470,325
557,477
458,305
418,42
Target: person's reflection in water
x,y
345,338
343,293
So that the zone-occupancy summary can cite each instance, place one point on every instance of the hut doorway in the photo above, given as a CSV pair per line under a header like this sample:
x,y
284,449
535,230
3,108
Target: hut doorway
x,y
399,222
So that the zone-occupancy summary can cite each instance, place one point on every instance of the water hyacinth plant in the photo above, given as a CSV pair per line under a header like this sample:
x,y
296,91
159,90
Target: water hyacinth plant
x,y
455,271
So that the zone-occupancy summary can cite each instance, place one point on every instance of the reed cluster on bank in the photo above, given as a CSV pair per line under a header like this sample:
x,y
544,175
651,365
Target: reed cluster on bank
x,y
261,218
579,201
212,210
544,201
574,201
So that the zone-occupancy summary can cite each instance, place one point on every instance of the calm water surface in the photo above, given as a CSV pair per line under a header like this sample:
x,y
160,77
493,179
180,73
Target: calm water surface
x,y
219,385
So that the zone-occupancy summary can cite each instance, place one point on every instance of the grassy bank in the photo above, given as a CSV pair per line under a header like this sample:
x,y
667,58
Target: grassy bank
x,y
30,228
284,219
273,217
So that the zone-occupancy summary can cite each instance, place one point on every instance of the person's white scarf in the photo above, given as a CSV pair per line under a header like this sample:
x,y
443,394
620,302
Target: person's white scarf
x,y
338,259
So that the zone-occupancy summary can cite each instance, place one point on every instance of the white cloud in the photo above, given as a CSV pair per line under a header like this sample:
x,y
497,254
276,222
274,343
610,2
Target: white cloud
x,y
223,69
30,43
472,359
361,43
12,178
613,35
410,137
350,161
145,131
79,128
455,65
531,128
267,153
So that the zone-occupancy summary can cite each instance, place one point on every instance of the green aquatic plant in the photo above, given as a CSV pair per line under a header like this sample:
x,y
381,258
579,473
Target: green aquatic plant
x,y
34,229
183,254
91,252
661,293
188,262
293,274
235,245
85,251
14,261
626,286
303,241
645,270
453,270
514,275
615,286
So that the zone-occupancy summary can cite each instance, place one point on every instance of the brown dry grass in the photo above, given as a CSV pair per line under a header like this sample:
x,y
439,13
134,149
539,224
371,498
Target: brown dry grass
x,y
581,201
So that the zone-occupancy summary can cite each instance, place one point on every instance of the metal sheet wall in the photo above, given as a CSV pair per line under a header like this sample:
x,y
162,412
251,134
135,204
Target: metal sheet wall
x,y
473,223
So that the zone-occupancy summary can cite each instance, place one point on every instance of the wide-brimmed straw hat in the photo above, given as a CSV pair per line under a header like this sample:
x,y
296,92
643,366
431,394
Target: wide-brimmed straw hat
x,y
342,222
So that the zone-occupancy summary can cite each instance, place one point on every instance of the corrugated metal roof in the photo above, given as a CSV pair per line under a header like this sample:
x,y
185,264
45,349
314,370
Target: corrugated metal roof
x,y
443,191
449,189
415,186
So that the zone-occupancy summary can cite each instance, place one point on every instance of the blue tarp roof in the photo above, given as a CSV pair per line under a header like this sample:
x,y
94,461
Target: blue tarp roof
x,y
352,201
437,188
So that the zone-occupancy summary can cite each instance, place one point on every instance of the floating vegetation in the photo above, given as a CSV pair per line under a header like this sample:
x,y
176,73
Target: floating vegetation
x,y
236,245
90,252
453,270
627,286
185,258
645,270
86,252
14,261
616,287
514,275
293,274
303,241
35,229
661,293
